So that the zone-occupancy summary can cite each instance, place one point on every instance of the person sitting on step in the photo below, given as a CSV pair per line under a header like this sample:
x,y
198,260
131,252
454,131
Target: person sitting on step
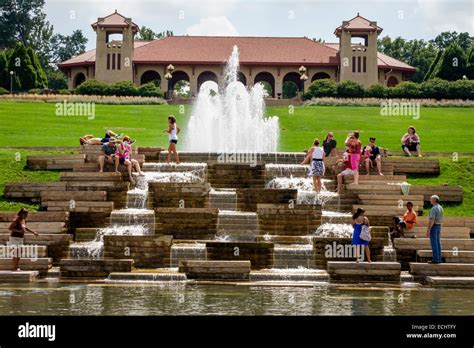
x,y
108,154
372,157
406,222
124,156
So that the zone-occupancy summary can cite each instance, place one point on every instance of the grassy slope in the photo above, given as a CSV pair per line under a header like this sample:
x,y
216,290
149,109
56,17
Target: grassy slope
x,y
12,170
441,129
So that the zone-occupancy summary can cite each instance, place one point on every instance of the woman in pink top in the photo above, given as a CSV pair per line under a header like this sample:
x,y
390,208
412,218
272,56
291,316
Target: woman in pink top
x,y
124,154
355,149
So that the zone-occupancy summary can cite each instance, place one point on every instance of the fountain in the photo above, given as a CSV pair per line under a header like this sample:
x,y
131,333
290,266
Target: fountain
x,y
231,119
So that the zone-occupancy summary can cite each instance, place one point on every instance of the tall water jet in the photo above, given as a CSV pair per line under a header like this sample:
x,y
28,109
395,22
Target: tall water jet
x,y
232,119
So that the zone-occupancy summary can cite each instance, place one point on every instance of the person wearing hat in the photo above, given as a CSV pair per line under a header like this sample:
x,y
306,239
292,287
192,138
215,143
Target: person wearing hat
x,y
108,154
434,228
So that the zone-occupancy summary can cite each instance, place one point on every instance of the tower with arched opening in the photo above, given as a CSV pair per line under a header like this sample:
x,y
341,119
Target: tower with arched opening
x,y
114,48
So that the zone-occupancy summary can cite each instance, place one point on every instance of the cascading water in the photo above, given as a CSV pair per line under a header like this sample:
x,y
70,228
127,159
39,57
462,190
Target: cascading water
x,y
232,120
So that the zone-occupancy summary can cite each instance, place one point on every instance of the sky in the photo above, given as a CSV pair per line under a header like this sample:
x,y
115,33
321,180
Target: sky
x,y
410,19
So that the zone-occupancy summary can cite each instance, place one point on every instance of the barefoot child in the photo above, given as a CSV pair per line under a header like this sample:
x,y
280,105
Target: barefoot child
x,y
173,131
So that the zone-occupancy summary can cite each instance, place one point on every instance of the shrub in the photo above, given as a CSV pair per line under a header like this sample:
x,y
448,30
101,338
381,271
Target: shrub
x,y
64,92
3,91
435,88
322,88
93,87
149,90
406,89
349,89
376,91
123,88
34,91
461,89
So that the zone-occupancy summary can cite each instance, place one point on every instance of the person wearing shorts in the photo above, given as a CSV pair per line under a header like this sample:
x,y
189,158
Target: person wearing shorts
x,y
347,171
108,154
124,157
406,222
372,157
316,156
173,131
411,142
18,229
355,148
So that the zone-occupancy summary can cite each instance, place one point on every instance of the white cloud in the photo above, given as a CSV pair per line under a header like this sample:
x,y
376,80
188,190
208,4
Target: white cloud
x,y
447,16
217,26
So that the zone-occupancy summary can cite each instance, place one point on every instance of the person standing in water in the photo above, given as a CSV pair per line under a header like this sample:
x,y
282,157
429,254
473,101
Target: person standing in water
x,y
18,229
173,131
316,156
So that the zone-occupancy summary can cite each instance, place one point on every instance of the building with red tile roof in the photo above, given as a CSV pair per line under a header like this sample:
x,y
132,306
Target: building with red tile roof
x,y
273,60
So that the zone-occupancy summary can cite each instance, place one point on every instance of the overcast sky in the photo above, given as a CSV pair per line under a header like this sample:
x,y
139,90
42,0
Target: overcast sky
x,y
409,19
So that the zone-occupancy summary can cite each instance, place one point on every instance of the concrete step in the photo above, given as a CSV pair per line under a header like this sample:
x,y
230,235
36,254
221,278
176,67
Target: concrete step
x,y
229,270
450,256
422,270
294,274
42,264
148,277
450,282
18,277
96,268
353,271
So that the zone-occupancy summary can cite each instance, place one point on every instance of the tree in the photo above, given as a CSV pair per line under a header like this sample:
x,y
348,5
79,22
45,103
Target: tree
x,y
445,39
41,79
452,64
28,73
470,63
4,75
290,90
56,79
434,63
418,53
147,34
65,47
24,21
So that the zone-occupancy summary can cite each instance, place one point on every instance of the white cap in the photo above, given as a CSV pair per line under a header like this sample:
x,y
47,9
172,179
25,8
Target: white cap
x,y
435,197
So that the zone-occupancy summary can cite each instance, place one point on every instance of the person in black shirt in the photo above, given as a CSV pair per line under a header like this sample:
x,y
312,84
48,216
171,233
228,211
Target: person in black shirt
x,y
329,145
372,157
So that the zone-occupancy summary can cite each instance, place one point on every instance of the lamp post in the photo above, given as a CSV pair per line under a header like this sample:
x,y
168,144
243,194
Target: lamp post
x,y
168,77
11,81
303,78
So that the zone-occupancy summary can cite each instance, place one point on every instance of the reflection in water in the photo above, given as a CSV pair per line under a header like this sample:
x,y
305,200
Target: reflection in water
x,y
181,299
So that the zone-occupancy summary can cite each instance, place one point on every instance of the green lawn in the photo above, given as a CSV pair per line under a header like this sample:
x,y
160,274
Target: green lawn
x,y
36,124
441,129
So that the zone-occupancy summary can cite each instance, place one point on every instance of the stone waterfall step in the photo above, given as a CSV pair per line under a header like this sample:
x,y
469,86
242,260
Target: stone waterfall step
x,y
293,256
357,272
449,256
153,276
173,167
237,226
290,275
422,270
448,282
187,251
94,268
222,270
223,199
18,277
85,234
42,265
